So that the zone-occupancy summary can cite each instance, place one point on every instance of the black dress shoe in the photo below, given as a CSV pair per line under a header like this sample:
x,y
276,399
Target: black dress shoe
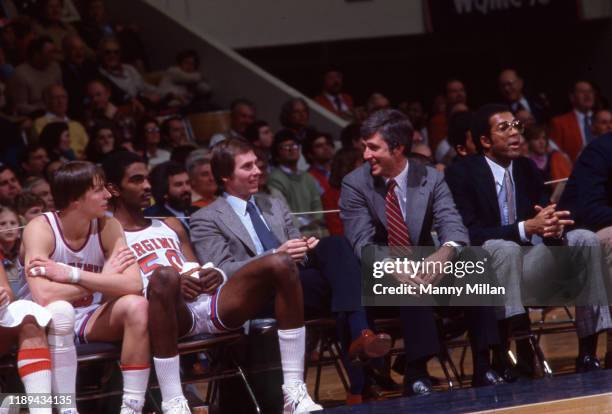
x,y
490,377
420,386
382,379
587,363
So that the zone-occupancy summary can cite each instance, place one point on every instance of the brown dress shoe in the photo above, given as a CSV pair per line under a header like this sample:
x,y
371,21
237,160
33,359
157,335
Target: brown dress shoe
x,y
370,345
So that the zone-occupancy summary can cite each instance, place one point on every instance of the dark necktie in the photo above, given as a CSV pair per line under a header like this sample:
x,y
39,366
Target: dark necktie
x,y
587,128
266,237
397,231
338,103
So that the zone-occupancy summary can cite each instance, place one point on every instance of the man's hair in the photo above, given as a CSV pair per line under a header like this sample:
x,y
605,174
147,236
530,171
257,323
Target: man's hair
x,y
196,158
165,126
480,126
116,163
281,136
26,200
4,167
159,178
287,109
311,137
458,125
50,136
102,81
181,153
392,125
572,86
72,180
241,101
534,131
223,159
31,148
37,45
186,54
251,132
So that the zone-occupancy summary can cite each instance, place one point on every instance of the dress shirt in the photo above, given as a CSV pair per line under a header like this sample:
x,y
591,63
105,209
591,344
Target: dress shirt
x,y
580,118
240,208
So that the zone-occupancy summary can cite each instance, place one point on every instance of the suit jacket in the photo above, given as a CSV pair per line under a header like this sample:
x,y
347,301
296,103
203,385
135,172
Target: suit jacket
x,y
538,110
565,131
429,204
218,235
331,106
588,192
473,187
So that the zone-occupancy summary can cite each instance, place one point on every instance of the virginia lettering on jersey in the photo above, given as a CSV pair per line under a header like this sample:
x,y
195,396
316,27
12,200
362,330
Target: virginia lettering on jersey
x,y
149,245
87,267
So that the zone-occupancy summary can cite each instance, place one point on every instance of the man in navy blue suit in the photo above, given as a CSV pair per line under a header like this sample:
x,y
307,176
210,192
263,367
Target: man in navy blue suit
x,y
511,89
500,197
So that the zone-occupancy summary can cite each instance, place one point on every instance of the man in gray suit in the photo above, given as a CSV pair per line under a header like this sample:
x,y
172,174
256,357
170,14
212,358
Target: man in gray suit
x,y
241,226
391,201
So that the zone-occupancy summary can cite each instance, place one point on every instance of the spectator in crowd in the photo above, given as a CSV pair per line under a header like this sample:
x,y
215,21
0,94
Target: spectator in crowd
x,y
99,107
418,118
350,137
459,135
239,227
101,144
173,133
147,142
50,24
77,71
172,193
128,85
553,164
203,186
33,160
344,161
15,38
499,195
438,124
526,118
372,192
332,97
260,135
444,152
185,83
95,26
56,104
299,188
294,116
510,86
28,205
242,114
32,77
55,138
10,240
376,102
52,167
40,187
9,185
572,130
318,149
602,122
180,153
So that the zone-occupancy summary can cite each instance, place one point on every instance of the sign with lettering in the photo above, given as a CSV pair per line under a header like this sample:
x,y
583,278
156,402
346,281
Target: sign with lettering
x,y
496,15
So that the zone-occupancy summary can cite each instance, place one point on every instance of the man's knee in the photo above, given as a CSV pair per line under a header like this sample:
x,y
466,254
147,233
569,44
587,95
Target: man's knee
x,y
502,248
61,328
582,237
135,308
164,283
282,267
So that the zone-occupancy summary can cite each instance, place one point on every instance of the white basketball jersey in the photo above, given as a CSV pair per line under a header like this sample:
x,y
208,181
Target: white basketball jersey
x,y
155,246
88,257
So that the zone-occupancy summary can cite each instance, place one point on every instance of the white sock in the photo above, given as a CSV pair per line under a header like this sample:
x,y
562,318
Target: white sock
x,y
63,351
135,381
292,344
34,366
168,377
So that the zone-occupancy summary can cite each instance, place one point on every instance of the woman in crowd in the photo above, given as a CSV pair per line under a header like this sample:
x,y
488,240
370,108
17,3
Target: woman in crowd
x,y
102,142
55,137
147,142
10,237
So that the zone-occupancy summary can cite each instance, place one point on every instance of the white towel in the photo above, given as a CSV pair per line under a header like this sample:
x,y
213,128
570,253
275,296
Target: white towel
x,y
14,314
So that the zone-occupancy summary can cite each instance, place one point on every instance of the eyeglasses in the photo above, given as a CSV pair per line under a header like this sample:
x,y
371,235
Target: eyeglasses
x,y
505,126
149,130
289,147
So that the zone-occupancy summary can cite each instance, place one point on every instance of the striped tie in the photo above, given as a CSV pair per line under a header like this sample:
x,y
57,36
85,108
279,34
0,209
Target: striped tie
x,y
397,232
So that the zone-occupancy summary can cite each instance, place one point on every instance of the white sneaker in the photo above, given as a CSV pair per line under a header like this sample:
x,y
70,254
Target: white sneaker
x,y
69,411
176,405
297,400
131,406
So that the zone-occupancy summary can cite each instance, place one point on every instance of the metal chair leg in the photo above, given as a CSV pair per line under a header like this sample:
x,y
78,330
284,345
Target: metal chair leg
x,y
335,352
248,387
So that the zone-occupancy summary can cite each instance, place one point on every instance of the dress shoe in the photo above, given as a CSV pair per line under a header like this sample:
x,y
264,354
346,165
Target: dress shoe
x,y
353,399
370,345
490,377
381,379
587,363
420,386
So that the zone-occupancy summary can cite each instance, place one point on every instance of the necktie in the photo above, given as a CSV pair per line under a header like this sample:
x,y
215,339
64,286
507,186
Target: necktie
x,y
266,237
397,231
506,200
338,103
587,129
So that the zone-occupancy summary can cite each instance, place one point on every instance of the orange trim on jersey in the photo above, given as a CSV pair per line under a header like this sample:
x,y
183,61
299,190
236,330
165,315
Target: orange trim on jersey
x,y
34,367
33,353
134,367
